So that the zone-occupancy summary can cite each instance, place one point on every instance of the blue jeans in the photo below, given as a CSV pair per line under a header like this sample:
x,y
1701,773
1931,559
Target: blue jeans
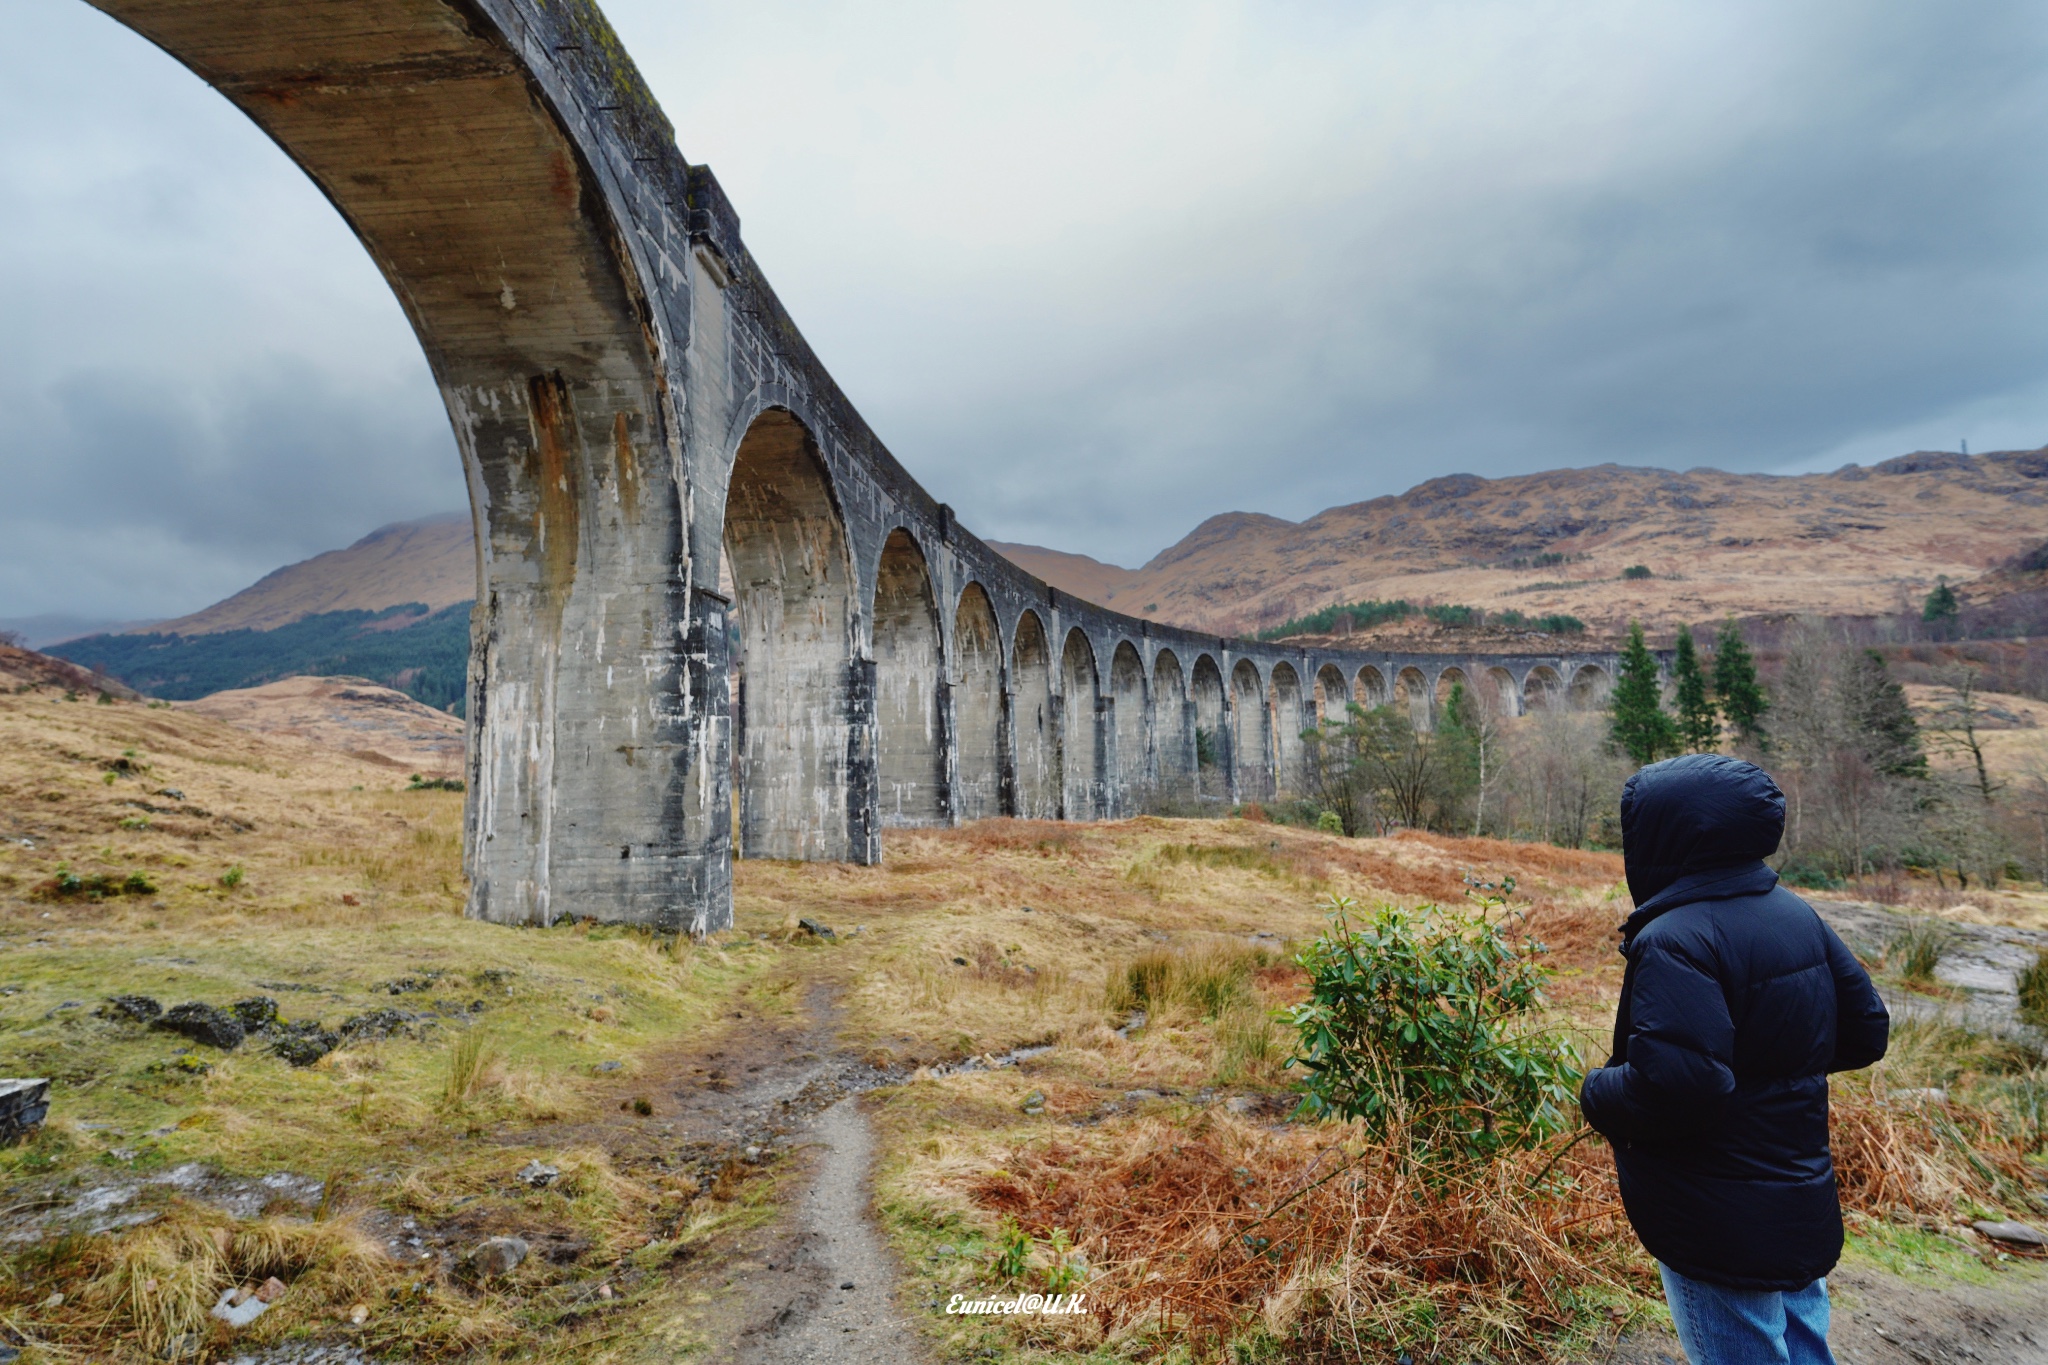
x,y
1719,1326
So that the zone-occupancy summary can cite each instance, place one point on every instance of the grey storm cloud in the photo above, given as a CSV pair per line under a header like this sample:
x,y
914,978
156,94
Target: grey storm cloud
x,y
1093,272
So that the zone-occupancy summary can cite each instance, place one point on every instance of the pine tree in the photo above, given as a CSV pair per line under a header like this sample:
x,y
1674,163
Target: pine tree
x,y
1698,725
1883,725
1941,605
1640,728
1742,698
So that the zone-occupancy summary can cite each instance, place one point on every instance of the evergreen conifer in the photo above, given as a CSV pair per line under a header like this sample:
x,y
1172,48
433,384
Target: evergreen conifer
x,y
1699,727
1640,728
1740,696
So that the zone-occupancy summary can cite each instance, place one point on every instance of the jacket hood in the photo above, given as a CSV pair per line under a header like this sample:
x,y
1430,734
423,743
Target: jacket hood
x,y
1698,814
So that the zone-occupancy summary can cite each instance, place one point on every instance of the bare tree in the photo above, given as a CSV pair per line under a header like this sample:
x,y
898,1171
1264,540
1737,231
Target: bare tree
x,y
1959,719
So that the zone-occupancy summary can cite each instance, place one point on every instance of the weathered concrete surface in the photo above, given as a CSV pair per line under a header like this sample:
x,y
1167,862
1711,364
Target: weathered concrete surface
x,y
713,611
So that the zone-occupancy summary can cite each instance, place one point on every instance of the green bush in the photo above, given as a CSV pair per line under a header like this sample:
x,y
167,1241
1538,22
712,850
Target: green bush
x,y
1421,1023
1637,571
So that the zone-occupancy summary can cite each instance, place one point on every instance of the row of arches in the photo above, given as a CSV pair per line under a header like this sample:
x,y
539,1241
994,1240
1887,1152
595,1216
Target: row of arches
x,y
828,745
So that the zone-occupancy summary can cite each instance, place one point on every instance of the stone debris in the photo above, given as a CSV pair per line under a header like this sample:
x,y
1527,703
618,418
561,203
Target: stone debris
x,y
139,1008
815,929
240,1307
538,1174
202,1024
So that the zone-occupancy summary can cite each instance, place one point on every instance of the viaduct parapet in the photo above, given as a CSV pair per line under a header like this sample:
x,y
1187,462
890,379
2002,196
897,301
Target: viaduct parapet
x,y
715,617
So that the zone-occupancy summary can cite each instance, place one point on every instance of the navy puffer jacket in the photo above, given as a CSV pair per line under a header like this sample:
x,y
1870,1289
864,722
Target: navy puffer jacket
x,y
1736,1004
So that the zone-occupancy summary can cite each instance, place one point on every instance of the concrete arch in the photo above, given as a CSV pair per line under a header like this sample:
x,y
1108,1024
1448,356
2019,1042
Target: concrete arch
x,y
1589,687
1373,688
1173,739
1446,679
465,181
910,748
1251,739
1081,733
1034,727
1501,694
1290,718
1212,729
977,693
791,581
1412,693
1542,689
1132,783
1333,696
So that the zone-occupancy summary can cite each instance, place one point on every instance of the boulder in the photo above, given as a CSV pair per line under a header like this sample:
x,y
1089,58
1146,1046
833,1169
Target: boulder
x,y
256,1014
498,1256
304,1042
2017,1234
202,1024
538,1174
139,1008
24,1104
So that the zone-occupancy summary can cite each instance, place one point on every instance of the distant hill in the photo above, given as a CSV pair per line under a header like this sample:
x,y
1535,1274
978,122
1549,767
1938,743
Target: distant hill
x,y
431,561
1859,540
392,608
423,653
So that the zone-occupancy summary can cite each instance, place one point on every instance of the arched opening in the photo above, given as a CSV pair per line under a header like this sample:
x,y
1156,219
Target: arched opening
x,y
1333,697
1133,781
910,749
1541,689
1038,774
1081,740
977,707
1373,691
1411,693
1251,742
1212,742
1503,696
1173,739
444,152
1446,680
1590,686
792,592
1289,720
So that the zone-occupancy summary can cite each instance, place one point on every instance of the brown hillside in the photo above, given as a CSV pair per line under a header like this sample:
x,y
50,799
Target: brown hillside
x,y
1858,540
363,720
432,560
1088,579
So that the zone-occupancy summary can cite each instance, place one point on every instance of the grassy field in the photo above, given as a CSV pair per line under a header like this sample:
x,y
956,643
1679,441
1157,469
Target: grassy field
x,y
151,852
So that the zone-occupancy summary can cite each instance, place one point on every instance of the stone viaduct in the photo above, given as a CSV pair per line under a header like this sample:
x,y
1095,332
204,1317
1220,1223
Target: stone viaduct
x,y
714,615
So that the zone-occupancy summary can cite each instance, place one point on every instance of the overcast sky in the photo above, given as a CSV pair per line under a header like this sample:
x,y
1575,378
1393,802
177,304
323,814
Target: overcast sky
x,y
1094,272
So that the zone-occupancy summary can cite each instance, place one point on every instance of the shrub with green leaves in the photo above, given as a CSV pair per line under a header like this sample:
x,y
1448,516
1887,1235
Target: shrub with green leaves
x,y
1424,1024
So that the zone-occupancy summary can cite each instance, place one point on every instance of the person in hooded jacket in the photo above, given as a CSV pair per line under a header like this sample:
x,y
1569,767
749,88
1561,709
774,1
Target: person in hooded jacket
x,y
1736,1003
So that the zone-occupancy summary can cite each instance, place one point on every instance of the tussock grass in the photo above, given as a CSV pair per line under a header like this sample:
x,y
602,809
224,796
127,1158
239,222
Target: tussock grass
x,y
1917,950
2033,990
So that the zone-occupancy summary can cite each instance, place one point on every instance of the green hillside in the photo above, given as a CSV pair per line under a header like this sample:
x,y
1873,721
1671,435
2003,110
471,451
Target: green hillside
x,y
421,653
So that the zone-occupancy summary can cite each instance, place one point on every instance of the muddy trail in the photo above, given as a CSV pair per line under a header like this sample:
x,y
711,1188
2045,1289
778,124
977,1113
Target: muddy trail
x,y
816,1283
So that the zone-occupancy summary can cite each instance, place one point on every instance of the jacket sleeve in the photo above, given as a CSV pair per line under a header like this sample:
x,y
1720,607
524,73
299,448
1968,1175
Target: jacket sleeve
x,y
1681,1052
1862,1024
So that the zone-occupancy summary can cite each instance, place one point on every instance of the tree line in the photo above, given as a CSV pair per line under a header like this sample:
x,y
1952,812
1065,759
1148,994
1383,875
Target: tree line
x,y
1864,801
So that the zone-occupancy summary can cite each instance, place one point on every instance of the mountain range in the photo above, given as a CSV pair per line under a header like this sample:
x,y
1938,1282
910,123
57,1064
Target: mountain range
x,y
1605,545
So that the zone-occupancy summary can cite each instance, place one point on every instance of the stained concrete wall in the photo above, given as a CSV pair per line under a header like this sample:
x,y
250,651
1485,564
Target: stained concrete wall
x,y
691,634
